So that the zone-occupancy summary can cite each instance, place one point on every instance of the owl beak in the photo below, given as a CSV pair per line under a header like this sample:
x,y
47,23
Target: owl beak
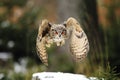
x,y
59,35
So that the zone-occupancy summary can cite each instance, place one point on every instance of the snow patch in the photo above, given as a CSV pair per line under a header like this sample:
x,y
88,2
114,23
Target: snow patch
x,y
58,76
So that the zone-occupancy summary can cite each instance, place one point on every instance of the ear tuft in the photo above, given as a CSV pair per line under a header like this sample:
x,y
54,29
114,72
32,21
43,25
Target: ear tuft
x,y
49,24
64,24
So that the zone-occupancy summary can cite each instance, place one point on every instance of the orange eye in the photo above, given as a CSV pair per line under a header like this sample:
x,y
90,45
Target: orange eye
x,y
63,32
56,32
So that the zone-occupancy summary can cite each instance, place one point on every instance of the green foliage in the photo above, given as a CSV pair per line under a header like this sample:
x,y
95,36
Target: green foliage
x,y
113,34
17,76
22,34
11,3
107,74
104,44
31,67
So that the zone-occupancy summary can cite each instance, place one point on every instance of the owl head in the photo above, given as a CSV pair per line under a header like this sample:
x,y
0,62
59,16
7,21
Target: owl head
x,y
58,32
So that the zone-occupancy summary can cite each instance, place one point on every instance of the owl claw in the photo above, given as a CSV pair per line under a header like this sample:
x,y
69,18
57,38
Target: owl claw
x,y
62,43
49,42
58,43
48,45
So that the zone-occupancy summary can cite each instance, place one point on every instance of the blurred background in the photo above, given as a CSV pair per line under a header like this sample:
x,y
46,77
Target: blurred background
x,y
19,20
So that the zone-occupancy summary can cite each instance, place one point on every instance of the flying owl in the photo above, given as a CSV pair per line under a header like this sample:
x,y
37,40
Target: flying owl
x,y
59,33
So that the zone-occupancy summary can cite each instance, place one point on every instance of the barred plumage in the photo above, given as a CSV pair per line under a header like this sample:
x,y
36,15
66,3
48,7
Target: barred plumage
x,y
79,45
42,41
57,33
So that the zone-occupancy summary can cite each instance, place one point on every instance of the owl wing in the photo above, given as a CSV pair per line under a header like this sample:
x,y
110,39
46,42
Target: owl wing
x,y
79,45
41,41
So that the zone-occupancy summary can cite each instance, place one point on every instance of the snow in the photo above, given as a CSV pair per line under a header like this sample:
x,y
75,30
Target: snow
x,y
61,76
58,76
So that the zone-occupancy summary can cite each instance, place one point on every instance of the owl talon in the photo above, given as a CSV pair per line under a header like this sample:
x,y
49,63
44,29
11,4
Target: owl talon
x,y
48,45
62,43
58,43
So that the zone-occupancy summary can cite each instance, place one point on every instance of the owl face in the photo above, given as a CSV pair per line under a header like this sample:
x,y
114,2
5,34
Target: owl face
x,y
58,32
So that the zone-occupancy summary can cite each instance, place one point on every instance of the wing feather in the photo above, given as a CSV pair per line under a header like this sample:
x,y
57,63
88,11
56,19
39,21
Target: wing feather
x,y
41,41
79,45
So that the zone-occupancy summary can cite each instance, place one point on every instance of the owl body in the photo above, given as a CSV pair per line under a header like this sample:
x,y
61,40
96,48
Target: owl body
x,y
57,33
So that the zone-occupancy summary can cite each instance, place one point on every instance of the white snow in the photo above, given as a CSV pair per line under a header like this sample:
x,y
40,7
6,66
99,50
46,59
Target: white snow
x,y
58,76
61,76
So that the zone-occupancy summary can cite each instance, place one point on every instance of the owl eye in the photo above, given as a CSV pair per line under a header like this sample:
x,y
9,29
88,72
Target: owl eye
x,y
63,32
56,32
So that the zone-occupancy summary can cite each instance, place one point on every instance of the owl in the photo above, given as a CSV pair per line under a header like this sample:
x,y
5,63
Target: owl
x,y
49,33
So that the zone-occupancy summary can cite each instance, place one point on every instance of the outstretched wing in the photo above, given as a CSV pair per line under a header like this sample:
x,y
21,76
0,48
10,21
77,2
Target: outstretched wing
x,y
41,41
79,45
